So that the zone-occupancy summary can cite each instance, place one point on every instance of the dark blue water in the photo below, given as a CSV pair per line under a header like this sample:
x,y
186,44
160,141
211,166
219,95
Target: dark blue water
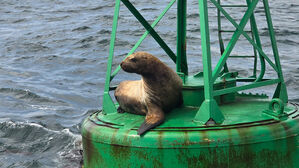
x,y
53,56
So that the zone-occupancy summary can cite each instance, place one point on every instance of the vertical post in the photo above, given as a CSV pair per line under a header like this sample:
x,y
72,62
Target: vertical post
x,y
256,37
281,91
221,45
209,109
108,104
206,53
181,37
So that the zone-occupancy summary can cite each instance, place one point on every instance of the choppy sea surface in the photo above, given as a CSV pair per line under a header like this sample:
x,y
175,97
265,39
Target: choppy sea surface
x,y
53,56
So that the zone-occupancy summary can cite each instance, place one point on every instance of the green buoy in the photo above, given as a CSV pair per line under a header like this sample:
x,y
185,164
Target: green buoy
x,y
217,126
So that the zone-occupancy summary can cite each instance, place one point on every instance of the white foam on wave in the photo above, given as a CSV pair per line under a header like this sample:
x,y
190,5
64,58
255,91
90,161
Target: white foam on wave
x,y
43,107
68,152
20,124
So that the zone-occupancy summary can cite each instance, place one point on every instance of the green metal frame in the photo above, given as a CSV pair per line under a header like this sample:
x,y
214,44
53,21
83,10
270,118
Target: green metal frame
x,y
108,104
209,108
181,65
255,37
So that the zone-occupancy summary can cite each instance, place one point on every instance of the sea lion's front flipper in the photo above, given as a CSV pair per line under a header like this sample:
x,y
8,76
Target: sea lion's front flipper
x,y
154,117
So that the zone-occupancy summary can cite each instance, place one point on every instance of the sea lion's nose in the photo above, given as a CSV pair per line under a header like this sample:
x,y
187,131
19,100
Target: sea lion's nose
x,y
121,64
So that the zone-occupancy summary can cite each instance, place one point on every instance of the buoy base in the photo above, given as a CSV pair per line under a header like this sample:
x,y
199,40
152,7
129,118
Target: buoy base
x,y
247,138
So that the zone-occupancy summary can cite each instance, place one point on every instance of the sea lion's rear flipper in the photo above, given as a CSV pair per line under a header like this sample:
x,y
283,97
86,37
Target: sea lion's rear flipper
x,y
154,117
120,110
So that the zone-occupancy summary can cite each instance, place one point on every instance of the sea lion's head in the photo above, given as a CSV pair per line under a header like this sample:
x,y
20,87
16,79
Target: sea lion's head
x,y
140,62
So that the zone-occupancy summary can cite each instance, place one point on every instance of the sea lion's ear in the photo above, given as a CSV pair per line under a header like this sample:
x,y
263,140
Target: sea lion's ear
x,y
154,117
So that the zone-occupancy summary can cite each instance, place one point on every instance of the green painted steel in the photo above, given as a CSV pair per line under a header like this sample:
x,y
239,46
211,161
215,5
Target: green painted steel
x,y
253,140
153,25
256,37
193,89
281,90
254,34
246,87
234,38
245,35
209,108
148,27
216,126
221,43
211,75
108,104
181,64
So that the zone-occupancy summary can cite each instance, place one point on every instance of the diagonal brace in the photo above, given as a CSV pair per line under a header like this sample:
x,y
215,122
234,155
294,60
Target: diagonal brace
x,y
234,39
153,25
149,28
256,38
245,35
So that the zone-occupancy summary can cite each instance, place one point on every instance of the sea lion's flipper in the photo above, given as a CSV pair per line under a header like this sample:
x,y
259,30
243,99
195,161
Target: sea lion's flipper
x,y
147,126
154,117
120,110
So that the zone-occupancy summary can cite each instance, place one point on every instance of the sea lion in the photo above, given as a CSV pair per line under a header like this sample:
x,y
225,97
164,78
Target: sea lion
x,y
158,91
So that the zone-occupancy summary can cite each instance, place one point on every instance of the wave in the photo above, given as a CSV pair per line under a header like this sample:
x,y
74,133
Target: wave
x,y
81,28
24,141
27,95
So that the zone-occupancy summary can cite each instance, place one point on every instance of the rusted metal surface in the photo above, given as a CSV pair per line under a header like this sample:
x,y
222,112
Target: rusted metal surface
x,y
267,143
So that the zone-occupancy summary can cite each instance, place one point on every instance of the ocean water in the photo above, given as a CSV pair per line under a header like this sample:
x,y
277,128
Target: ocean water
x,y
53,56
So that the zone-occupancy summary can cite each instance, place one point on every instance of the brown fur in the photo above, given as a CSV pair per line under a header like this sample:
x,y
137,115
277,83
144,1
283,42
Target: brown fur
x,y
158,91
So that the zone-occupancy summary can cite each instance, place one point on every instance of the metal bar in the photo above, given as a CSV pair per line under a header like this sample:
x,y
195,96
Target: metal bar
x,y
111,49
221,44
181,37
249,79
153,25
209,109
246,87
281,90
228,6
256,37
108,104
232,31
273,40
242,56
206,51
254,52
234,39
148,27
245,35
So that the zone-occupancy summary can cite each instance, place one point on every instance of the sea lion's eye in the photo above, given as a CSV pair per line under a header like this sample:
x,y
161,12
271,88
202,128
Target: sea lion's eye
x,y
133,59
